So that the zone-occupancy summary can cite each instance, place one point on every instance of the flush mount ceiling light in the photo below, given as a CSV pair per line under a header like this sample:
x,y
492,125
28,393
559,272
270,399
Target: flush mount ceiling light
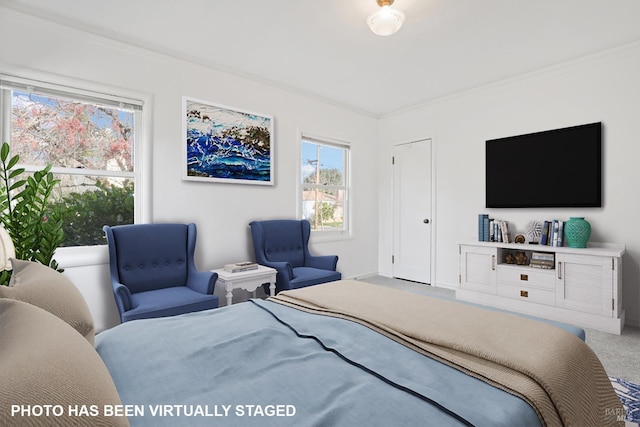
x,y
386,21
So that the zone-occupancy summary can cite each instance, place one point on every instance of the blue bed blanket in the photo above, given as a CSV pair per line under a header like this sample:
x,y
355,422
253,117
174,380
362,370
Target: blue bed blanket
x,y
264,364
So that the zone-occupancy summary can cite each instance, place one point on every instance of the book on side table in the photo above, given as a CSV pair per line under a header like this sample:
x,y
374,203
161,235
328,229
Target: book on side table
x,y
241,266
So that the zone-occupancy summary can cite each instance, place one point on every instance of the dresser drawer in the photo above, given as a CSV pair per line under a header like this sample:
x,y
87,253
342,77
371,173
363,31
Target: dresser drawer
x,y
527,293
522,276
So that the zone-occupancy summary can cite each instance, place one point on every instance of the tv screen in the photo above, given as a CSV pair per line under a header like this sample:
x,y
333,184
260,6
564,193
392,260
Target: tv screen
x,y
555,168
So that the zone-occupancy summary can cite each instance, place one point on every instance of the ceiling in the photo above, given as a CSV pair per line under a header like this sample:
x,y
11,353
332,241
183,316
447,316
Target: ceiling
x,y
324,49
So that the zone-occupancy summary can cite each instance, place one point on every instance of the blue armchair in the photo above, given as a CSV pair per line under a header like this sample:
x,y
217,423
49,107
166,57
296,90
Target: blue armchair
x,y
153,273
283,245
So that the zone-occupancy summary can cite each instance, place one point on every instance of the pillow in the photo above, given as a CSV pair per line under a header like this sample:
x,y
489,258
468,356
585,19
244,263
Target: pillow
x,y
43,361
48,289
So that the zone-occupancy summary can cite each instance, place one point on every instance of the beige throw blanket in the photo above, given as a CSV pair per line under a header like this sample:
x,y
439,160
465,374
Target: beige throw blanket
x,y
554,371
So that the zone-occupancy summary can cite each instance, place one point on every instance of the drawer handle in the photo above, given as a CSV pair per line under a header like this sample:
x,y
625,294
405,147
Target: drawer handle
x,y
559,270
524,294
524,277
493,262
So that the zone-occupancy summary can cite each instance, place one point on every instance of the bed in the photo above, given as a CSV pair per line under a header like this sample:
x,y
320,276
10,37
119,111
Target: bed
x,y
326,355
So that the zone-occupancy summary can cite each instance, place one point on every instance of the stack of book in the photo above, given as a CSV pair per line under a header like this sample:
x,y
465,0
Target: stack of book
x,y
492,230
543,260
241,266
552,233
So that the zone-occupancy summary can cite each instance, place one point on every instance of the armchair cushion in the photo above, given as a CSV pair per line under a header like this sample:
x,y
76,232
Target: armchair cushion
x,y
307,276
151,304
282,242
151,256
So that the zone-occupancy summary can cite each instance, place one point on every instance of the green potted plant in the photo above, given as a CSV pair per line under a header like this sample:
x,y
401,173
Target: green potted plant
x,y
35,229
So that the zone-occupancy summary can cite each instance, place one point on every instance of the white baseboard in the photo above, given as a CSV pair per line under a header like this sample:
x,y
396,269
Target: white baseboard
x,y
363,276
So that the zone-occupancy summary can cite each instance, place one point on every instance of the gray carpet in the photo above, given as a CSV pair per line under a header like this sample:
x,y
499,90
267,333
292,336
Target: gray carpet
x,y
620,354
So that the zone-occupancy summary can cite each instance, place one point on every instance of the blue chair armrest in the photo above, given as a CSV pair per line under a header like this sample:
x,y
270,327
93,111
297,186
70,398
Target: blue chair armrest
x,y
284,275
122,297
323,262
202,281
283,267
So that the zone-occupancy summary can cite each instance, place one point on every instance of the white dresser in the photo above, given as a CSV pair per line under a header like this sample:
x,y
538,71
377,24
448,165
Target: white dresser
x,y
583,287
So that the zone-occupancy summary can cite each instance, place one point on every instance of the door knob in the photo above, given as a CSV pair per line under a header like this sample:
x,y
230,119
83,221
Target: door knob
x,y
426,220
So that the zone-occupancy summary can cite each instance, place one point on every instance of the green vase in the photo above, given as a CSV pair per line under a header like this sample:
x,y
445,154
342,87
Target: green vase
x,y
577,232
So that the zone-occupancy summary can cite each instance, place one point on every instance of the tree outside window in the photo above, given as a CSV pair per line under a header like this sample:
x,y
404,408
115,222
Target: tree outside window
x,y
90,144
324,169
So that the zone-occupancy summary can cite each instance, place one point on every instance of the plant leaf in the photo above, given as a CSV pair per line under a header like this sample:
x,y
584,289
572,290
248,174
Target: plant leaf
x,y
4,151
13,161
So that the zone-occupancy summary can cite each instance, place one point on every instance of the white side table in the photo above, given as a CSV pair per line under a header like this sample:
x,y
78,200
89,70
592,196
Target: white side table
x,y
248,280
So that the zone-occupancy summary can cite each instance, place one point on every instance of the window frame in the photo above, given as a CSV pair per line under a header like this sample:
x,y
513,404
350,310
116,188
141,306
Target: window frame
x,y
98,94
345,232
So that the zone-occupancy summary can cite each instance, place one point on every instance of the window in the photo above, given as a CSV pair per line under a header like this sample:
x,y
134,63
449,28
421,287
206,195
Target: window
x,y
324,171
88,138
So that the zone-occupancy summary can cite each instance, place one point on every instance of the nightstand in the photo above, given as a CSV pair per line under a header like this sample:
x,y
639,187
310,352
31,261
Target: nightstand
x,y
249,280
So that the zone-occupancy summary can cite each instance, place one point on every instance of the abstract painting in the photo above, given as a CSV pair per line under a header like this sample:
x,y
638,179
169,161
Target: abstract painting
x,y
224,144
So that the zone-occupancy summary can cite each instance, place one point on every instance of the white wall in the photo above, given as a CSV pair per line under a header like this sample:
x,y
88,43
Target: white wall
x,y
602,87
40,49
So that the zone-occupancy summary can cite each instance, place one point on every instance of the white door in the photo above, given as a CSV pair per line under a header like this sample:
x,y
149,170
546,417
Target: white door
x,y
412,211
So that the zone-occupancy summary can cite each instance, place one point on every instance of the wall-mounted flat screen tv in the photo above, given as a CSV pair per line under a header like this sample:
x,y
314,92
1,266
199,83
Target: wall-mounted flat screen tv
x,y
560,168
